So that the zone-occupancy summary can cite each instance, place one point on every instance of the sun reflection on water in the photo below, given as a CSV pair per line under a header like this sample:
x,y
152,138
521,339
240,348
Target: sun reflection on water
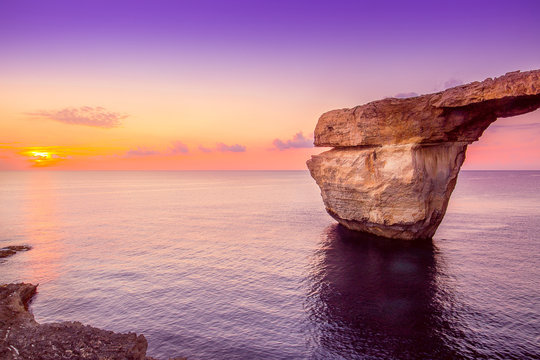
x,y
43,227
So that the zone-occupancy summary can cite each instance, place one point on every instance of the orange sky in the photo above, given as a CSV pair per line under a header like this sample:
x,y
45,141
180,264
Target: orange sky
x,y
225,137
81,90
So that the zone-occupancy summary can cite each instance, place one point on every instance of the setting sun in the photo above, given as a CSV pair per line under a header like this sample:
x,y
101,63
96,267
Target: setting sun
x,y
42,155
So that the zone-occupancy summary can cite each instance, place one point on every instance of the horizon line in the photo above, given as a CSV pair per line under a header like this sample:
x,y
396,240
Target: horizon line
x,y
203,170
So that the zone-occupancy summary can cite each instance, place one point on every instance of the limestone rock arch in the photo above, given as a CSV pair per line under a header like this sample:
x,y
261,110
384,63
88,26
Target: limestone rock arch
x,y
395,162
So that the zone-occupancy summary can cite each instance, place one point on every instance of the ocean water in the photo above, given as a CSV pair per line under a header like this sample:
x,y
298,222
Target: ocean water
x,y
247,265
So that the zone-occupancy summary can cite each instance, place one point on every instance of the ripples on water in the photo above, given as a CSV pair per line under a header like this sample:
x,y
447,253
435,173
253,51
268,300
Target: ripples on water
x,y
241,265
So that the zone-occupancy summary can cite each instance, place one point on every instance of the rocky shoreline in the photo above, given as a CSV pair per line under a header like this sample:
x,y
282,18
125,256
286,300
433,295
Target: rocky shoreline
x,y
21,337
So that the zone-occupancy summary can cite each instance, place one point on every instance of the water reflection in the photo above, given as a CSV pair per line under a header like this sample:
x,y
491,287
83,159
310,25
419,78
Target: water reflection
x,y
377,298
43,228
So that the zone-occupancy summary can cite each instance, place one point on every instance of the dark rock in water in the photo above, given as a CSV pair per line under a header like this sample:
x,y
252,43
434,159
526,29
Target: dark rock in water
x,y
13,249
395,162
21,337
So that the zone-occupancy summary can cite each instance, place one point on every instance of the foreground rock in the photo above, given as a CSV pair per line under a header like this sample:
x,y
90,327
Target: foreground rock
x,y
21,337
12,250
395,161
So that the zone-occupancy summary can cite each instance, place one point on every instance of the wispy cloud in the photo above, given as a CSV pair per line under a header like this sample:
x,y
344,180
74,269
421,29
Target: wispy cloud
x,y
205,149
84,115
179,148
56,156
405,95
529,126
141,151
299,141
450,83
525,130
221,147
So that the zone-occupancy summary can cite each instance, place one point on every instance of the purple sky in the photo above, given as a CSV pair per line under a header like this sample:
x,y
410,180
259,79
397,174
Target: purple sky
x,y
295,59
398,32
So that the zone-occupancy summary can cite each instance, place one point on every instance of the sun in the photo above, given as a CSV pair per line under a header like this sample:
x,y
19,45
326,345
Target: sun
x,y
41,154
41,158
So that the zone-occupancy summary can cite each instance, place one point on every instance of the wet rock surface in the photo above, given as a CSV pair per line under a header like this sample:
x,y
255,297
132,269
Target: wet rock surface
x,y
395,162
21,337
12,250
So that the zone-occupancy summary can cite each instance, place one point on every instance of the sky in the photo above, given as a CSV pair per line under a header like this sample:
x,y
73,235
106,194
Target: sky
x,y
216,85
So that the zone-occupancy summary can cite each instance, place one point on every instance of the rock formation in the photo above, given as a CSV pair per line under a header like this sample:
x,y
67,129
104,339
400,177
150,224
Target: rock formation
x,y
395,162
21,337
12,250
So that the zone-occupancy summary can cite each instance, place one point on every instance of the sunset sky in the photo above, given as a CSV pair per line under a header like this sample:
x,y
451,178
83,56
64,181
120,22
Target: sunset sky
x,y
240,84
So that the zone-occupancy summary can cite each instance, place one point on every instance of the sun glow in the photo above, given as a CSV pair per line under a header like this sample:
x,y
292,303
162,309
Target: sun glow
x,y
42,156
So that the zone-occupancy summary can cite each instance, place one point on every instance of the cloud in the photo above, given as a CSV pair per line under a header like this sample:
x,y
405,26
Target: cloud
x,y
205,149
299,141
510,127
519,126
452,83
179,148
57,156
84,115
221,147
405,95
141,151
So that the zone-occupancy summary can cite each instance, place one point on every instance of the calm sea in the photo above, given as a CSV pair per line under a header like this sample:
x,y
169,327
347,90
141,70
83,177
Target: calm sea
x,y
247,265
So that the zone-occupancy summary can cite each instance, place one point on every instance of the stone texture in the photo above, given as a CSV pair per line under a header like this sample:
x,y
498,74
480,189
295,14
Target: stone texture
x,y
395,162
21,337
12,250
458,114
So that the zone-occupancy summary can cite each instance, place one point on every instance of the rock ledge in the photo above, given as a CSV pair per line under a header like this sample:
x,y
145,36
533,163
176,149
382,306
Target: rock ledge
x,y
21,337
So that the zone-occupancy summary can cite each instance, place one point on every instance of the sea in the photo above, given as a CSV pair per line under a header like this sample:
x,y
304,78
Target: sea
x,y
248,265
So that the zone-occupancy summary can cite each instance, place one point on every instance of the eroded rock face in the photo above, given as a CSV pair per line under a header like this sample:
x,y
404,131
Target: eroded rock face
x,y
21,337
395,161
